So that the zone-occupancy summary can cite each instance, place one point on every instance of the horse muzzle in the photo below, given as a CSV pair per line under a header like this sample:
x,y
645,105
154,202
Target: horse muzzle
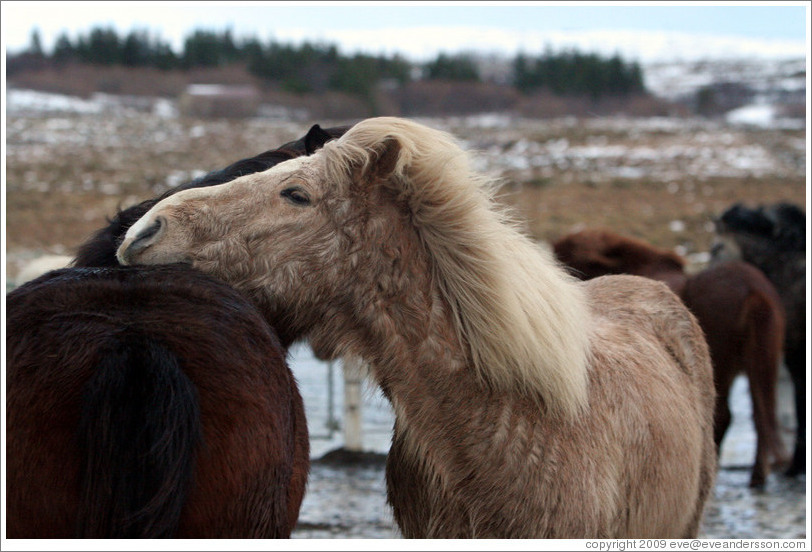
x,y
129,251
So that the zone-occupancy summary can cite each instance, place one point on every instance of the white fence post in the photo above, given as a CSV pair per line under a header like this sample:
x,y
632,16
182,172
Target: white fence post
x,y
353,378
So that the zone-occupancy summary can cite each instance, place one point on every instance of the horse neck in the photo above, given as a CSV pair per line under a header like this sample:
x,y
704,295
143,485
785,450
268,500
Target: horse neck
x,y
399,324
422,367
444,414
780,267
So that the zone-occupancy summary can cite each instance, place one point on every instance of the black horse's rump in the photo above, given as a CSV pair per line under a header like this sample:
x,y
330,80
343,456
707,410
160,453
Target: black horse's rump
x,y
100,249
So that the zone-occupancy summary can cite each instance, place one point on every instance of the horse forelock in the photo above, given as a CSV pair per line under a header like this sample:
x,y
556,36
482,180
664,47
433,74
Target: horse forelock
x,y
522,318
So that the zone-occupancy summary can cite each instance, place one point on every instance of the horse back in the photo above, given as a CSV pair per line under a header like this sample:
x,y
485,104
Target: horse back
x,y
89,350
738,308
649,349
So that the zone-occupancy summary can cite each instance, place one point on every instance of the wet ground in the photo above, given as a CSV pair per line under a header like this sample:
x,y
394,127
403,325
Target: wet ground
x,y
348,500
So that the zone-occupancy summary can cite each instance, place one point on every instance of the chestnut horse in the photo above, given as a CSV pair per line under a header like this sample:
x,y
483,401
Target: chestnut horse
x,y
210,441
737,307
527,404
773,238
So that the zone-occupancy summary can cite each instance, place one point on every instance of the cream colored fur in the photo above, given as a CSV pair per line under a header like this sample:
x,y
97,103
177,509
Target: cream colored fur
x,y
524,320
527,404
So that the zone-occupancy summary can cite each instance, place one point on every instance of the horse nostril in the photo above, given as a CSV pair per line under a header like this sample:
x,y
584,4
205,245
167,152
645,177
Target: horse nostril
x,y
145,236
142,240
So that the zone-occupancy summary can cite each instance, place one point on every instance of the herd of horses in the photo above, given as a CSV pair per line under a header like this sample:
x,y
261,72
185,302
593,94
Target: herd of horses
x,y
148,393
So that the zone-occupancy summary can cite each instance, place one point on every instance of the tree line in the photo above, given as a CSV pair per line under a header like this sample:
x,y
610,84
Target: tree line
x,y
312,67
577,74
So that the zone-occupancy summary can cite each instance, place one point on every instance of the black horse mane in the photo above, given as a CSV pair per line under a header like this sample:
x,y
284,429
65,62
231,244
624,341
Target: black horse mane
x,y
784,224
100,248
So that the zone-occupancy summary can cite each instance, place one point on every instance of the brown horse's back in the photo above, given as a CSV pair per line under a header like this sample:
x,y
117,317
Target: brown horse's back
x,y
248,470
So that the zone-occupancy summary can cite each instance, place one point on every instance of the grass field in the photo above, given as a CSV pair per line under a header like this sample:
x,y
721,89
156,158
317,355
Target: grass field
x,y
659,179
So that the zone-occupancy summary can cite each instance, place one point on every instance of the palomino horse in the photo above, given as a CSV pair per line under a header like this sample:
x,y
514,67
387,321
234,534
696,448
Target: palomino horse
x,y
212,442
527,404
737,307
148,402
773,238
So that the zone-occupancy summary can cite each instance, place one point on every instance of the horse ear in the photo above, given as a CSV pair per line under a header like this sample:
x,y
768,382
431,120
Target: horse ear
x,y
315,138
384,164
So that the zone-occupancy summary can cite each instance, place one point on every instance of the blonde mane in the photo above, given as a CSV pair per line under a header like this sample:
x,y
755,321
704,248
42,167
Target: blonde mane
x,y
524,320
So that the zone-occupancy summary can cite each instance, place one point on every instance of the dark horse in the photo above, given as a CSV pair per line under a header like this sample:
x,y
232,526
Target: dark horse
x,y
151,401
773,238
737,308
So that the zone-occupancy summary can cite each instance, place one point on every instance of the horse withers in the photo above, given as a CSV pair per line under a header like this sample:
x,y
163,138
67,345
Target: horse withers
x,y
527,404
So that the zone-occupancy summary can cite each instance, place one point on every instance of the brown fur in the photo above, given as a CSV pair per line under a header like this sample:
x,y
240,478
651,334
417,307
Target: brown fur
x,y
737,307
527,404
773,238
248,472
593,253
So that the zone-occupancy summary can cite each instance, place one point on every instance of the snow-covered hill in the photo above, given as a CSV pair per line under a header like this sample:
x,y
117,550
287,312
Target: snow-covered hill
x,y
770,78
752,91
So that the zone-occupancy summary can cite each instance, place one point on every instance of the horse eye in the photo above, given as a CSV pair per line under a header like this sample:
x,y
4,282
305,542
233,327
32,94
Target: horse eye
x,y
297,196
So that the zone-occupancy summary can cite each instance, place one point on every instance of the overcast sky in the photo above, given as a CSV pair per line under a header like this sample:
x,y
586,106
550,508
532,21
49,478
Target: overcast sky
x,y
420,30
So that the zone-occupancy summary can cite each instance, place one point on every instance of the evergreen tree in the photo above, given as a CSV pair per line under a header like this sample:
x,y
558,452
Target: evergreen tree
x,y
102,47
64,51
575,73
35,46
455,68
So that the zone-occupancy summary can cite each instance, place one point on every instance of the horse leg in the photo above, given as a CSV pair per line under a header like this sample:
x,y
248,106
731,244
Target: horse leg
x,y
796,365
721,419
761,413
761,356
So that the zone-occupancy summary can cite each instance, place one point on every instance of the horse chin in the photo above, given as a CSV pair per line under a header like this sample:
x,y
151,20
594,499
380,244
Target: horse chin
x,y
323,351
151,256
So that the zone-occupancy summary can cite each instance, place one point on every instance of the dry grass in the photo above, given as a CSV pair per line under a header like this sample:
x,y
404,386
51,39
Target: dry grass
x,y
644,209
66,173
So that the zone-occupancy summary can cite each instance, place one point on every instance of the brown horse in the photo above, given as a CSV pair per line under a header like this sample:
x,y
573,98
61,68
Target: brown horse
x,y
223,445
773,238
148,402
737,307
527,404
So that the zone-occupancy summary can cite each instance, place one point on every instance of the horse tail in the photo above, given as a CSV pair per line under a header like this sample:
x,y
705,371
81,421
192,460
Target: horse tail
x,y
138,433
764,328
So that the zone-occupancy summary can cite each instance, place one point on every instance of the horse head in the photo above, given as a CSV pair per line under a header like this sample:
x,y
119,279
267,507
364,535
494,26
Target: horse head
x,y
591,253
390,214
100,249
